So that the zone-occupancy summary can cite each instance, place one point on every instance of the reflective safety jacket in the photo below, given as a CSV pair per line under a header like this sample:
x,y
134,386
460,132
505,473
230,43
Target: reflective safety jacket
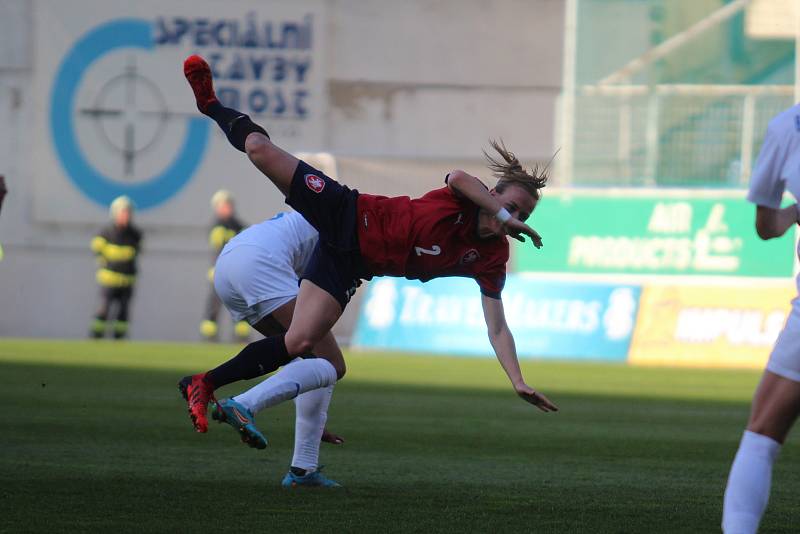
x,y
116,249
222,231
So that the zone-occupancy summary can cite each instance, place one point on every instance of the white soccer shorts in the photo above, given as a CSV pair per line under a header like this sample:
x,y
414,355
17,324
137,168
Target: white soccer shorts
x,y
785,357
253,282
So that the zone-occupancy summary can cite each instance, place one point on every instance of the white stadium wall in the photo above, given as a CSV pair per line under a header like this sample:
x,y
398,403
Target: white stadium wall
x,y
398,93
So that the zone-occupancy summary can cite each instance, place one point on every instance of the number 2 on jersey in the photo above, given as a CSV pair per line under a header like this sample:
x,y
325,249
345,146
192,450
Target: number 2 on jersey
x,y
435,250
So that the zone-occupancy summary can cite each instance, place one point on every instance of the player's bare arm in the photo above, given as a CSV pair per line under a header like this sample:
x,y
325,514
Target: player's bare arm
x,y
771,222
503,344
502,213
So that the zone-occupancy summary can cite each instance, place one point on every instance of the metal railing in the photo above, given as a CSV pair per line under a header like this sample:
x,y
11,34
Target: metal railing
x,y
671,135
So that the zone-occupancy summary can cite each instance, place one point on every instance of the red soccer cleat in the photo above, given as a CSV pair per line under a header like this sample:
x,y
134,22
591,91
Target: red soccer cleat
x,y
199,392
198,74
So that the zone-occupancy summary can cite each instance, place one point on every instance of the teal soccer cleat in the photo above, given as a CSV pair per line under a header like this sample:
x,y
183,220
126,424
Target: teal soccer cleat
x,y
231,412
315,479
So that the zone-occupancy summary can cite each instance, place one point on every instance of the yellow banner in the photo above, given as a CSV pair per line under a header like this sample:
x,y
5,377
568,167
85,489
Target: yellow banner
x,y
702,326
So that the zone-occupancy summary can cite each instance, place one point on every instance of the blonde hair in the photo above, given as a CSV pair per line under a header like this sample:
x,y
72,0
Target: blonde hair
x,y
509,171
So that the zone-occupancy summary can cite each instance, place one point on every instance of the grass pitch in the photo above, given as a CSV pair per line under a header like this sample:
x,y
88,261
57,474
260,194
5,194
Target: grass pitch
x,y
95,438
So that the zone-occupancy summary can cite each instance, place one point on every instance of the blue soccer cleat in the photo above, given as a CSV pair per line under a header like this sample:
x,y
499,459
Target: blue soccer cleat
x,y
240,418
315,479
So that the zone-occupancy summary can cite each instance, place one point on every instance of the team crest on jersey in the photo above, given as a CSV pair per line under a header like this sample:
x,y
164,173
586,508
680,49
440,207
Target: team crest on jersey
x,y
470,256
315,183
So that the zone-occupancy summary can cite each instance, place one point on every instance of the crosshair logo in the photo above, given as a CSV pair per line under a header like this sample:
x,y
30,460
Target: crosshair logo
x,y
129,113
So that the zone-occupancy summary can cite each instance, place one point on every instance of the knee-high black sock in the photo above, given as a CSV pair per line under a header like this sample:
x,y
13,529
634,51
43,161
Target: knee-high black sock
x,y
256,359
236,125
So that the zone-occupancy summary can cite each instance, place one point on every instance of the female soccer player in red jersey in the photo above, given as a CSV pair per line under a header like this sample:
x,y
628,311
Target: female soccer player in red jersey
x,y
457,230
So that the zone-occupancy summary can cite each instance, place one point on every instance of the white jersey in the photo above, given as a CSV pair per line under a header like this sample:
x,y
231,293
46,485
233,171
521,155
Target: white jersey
x,y
778,166
259,269
778,170
287,233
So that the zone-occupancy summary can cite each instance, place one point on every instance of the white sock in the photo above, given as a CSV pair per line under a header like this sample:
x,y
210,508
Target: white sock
x,y
293,379
312,413
748,484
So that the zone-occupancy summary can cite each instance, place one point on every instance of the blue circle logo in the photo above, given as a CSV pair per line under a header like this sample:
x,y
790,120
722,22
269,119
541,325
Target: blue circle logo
x,y
102,189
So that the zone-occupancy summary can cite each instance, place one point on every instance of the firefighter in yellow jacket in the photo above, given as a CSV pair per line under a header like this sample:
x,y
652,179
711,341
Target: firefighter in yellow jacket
x,y
225,226
116,248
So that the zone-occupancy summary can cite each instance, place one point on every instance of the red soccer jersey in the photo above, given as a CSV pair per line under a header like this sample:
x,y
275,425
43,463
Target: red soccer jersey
x,y
429,237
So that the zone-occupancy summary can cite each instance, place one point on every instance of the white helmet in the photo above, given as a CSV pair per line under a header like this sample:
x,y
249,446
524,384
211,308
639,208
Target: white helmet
x,y
120,203
223,195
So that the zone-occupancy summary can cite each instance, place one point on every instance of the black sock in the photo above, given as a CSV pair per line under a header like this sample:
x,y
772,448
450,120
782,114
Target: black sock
x,y
256,359
297,471
236,125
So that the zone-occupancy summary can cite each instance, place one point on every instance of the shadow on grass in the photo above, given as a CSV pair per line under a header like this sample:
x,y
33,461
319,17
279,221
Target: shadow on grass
x,y
95,449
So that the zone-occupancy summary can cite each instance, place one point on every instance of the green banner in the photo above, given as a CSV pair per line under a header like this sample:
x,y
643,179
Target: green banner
x,y
587,232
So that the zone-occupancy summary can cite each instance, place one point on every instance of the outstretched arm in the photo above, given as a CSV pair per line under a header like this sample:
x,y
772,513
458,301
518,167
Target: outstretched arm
x,y
503,344
772,222
473,190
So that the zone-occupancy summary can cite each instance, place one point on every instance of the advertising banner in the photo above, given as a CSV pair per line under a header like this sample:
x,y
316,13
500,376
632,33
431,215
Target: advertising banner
x,y
548,318
662,234
116,116
730,326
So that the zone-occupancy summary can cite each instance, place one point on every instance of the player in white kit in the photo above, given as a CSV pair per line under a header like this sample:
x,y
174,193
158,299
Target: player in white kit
x,y
257,276
776,403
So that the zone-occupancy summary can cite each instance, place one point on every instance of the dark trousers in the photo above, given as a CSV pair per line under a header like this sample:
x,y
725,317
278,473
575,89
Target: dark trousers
x,y
209,327
213,305
114,305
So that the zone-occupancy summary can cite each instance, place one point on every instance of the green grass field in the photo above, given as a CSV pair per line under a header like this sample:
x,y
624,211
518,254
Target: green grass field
x,y
94,438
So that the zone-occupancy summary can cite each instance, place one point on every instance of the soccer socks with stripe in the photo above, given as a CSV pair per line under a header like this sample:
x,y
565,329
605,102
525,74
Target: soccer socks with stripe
x,y
292,380
258,358
312,413
235,124
749,482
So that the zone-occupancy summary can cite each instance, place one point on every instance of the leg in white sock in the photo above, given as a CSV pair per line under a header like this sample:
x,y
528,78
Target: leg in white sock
x,y
312,413
293,379
749,482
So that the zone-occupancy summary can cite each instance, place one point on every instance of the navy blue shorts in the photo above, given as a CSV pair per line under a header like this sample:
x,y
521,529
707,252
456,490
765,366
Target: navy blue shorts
x,y
330,207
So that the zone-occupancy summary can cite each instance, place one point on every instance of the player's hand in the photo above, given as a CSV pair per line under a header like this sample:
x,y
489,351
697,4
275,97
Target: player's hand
x,y
330,437
528,394
517,229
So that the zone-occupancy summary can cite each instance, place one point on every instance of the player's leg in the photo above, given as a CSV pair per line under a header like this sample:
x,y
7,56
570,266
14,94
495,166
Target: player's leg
x,y
775,408
292,177
311,415
327,345
277,323
242,275
98,328
776,404
263,356
246,136
256,359
315,313
311,406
